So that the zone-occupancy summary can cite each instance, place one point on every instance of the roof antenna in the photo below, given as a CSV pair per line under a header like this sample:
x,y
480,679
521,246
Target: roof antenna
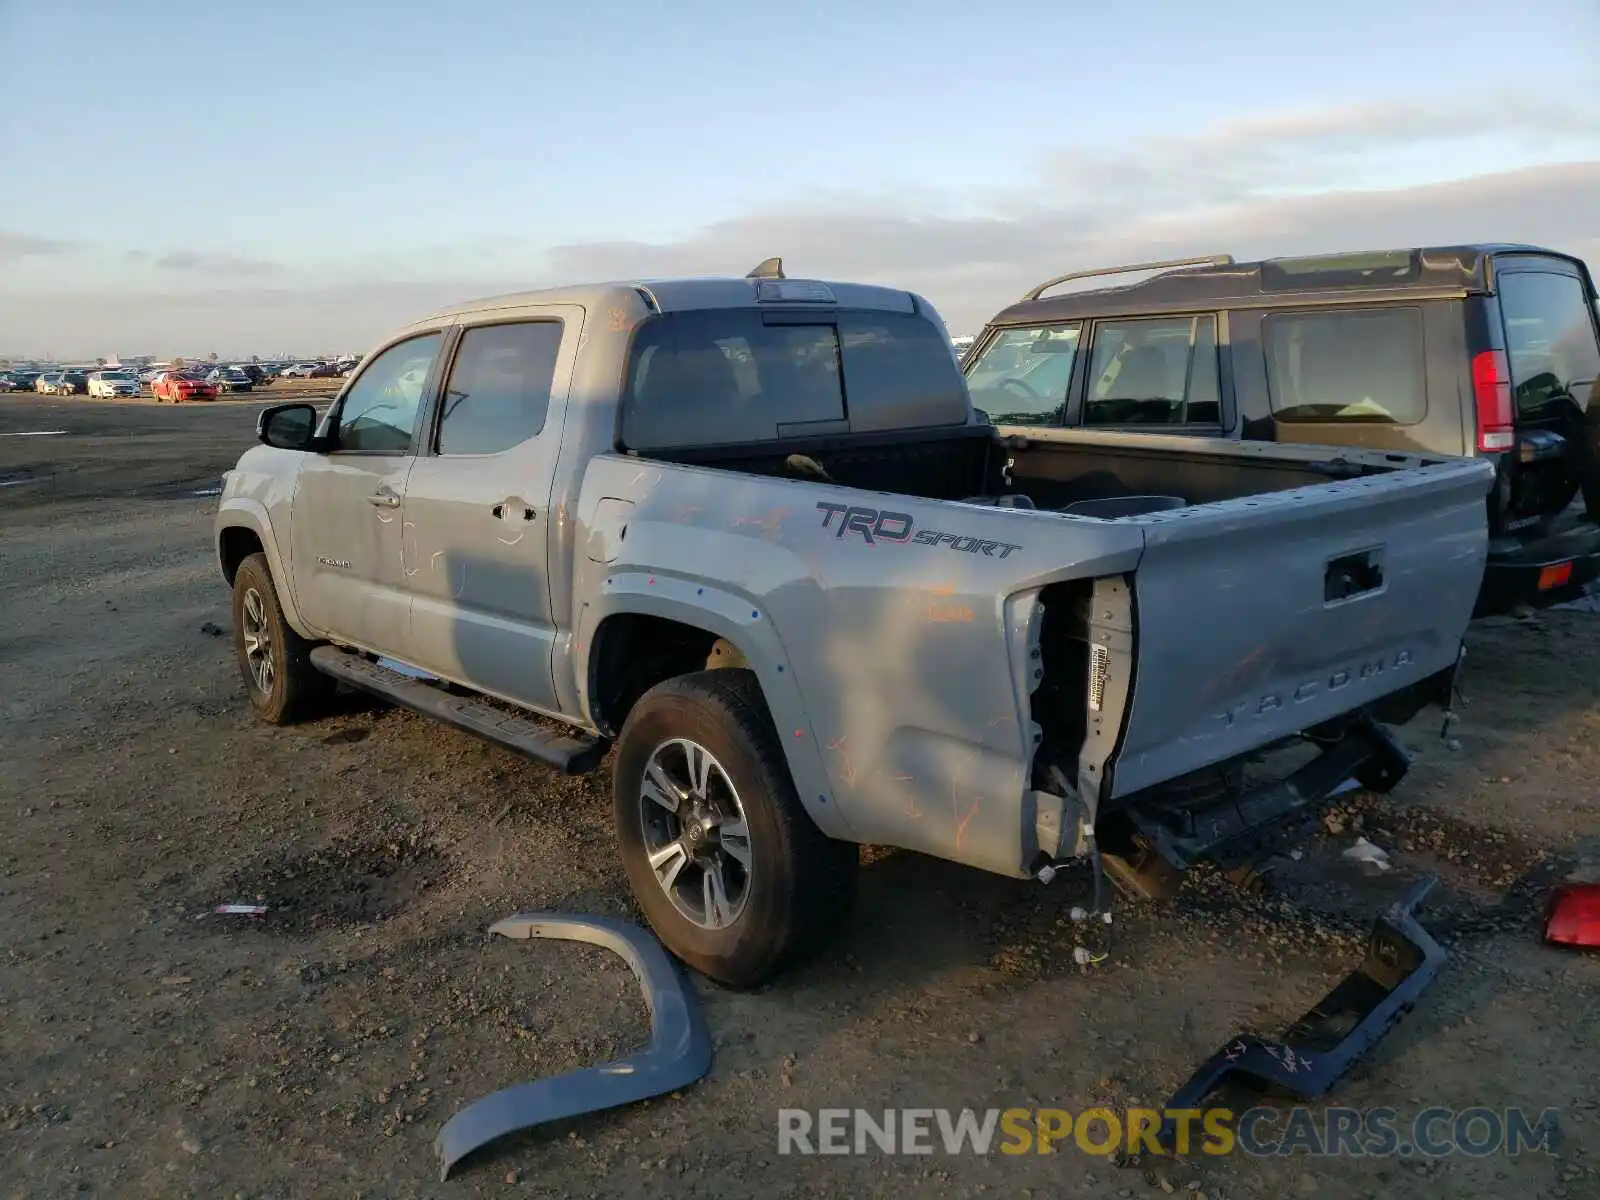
x,y
768,268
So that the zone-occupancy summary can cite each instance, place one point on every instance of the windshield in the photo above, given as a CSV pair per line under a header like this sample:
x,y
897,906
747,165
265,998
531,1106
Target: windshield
x,y
117,376
1021,377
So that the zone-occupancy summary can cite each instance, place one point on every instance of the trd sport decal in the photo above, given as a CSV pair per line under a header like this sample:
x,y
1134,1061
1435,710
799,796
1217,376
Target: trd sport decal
x,y
879,525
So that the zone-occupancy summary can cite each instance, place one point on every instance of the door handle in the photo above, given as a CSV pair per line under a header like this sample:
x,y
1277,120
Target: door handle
x,y
1352,575
384,498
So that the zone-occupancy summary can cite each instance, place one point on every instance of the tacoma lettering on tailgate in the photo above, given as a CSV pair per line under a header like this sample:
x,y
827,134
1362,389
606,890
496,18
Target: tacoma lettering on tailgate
x,y
1333,681
874,525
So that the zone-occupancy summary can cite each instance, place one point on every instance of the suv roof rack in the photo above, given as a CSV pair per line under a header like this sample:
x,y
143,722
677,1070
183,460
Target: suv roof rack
x,y
1215,260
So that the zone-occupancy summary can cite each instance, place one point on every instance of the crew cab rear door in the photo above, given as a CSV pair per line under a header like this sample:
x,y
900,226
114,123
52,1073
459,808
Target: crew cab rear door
x,y
479,522
1261,617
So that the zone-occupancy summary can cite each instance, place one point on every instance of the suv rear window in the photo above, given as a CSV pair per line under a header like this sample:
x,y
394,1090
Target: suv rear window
x,y
1550,338
1350,365
712,377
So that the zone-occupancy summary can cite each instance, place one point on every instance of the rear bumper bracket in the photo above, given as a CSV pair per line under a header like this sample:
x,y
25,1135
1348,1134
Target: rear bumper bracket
x,y
1225,831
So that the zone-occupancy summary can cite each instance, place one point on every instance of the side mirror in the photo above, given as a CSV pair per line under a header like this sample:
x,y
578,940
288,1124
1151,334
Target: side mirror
x,y
288,426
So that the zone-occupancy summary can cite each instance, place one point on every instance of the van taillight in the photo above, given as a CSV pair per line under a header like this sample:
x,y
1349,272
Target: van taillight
x,y
1491,388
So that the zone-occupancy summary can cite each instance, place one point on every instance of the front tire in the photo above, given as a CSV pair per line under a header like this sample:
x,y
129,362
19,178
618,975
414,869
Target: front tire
x,y
730,870
274,660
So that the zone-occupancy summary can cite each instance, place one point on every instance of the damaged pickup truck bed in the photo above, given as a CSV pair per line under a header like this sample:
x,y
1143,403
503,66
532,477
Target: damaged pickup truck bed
x,y
751,532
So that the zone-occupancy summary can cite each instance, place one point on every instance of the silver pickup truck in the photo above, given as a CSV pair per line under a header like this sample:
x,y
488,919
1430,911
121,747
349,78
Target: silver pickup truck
x,y
751,532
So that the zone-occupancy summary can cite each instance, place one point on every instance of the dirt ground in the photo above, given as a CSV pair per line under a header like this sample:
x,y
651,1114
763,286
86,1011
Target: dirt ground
x,y
153,1048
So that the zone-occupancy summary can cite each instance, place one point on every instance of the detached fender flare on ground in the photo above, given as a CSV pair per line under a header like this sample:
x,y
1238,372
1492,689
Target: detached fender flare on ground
x,y
679,1052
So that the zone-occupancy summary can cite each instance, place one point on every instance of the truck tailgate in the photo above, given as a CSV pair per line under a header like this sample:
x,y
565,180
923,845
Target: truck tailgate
x,y
1260,617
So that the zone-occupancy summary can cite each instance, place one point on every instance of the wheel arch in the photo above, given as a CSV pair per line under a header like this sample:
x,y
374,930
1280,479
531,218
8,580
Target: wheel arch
x,y
632,639
243,529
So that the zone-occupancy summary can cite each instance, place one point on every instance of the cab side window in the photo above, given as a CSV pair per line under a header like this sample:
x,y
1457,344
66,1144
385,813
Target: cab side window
x,y
499,389
379,411
1021,377
1160,371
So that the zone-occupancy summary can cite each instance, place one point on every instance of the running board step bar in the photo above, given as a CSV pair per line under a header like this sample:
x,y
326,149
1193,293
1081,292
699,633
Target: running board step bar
x,y
570,753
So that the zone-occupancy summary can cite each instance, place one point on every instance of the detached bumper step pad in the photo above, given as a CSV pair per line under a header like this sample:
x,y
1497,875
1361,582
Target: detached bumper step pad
x,y
1402,960
572,754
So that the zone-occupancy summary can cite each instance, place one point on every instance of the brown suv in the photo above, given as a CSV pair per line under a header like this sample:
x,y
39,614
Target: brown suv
x,y
1490,350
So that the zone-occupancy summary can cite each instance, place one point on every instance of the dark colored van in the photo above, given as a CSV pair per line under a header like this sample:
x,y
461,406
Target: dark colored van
x,y
1489,350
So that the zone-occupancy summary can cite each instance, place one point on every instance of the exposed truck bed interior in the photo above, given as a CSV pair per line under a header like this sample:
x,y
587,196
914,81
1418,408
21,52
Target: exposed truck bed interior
x,y
1110,475
1070,471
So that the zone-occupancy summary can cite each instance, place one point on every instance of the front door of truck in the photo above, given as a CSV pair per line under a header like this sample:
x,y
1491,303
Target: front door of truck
x,y
478,508
345,527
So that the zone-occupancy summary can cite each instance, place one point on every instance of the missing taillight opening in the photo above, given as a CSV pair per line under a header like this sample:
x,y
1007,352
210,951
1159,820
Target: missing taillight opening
x,y
1491,389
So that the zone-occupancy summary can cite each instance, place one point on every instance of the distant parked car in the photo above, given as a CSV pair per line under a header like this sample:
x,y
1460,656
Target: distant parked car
x,y
54,383
76,383
17,381
176,387
110,384
230,379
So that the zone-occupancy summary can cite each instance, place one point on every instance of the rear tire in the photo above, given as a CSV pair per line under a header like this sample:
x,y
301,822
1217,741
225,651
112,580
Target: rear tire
x,y
274,660
798,884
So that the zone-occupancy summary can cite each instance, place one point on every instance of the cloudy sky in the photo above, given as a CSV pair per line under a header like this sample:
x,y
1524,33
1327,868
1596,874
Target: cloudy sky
x,y
298,176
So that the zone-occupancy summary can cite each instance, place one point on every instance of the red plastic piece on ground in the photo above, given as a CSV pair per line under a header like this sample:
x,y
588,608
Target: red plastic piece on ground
x,y
1574,916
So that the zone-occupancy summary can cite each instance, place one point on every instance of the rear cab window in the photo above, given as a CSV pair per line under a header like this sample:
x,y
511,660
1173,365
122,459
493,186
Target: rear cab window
x,y
735,376
1362,365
